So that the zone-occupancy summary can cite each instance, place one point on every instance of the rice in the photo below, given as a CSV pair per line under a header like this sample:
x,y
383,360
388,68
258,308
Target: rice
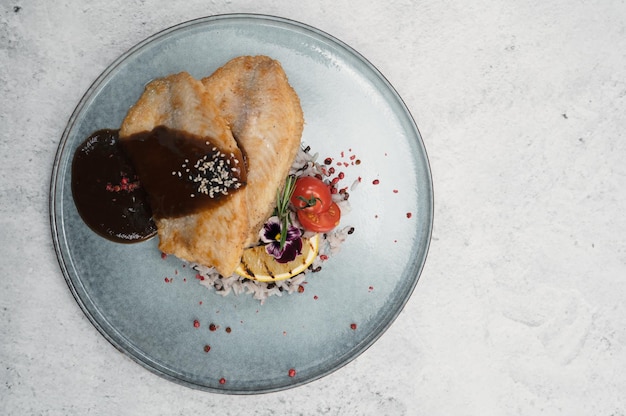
x,y
305,164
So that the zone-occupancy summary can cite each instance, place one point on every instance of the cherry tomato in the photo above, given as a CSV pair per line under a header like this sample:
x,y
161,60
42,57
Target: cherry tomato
x,y
311,195
320,222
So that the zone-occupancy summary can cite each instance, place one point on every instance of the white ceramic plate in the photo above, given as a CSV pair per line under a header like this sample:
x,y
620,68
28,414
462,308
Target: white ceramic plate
x,y
349,107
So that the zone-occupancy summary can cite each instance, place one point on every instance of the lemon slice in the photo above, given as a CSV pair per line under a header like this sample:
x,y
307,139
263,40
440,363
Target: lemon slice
x,y
256,264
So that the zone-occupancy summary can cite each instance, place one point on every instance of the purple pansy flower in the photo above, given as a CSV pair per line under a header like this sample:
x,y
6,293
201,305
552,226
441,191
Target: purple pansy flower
x,y
271,233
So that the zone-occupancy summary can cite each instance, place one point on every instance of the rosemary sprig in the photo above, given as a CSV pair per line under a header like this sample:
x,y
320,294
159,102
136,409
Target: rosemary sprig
x,y
282,207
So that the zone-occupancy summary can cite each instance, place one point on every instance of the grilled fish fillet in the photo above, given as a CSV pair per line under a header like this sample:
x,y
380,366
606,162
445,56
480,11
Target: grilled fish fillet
x,y
264,113
216,235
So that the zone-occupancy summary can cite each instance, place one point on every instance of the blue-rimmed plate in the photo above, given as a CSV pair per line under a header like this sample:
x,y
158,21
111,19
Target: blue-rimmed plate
x,y
146,305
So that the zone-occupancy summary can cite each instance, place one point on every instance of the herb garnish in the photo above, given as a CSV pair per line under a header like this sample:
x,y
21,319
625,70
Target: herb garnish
x,y
282,207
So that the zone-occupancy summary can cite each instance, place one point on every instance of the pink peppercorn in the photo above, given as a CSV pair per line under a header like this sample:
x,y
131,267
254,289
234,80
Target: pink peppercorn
x,y
292,372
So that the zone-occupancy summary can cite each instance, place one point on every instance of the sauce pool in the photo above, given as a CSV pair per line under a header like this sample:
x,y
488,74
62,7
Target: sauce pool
x,y
107,192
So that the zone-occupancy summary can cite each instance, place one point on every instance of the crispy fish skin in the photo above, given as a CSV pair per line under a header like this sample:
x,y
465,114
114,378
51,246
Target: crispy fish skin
x,y
215,236
254,95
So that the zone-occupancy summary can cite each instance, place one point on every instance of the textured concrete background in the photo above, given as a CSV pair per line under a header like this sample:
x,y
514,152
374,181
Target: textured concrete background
x,y
520,308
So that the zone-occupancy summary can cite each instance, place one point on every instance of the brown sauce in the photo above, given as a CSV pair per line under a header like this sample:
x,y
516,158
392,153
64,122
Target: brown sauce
x,y
183,173
107,191
119,186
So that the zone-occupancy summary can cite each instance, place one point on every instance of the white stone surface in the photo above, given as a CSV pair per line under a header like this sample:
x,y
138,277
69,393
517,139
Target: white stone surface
x,y
520,308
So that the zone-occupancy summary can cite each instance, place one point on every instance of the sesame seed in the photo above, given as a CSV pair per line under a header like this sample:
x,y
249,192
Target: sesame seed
x,y
213,175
